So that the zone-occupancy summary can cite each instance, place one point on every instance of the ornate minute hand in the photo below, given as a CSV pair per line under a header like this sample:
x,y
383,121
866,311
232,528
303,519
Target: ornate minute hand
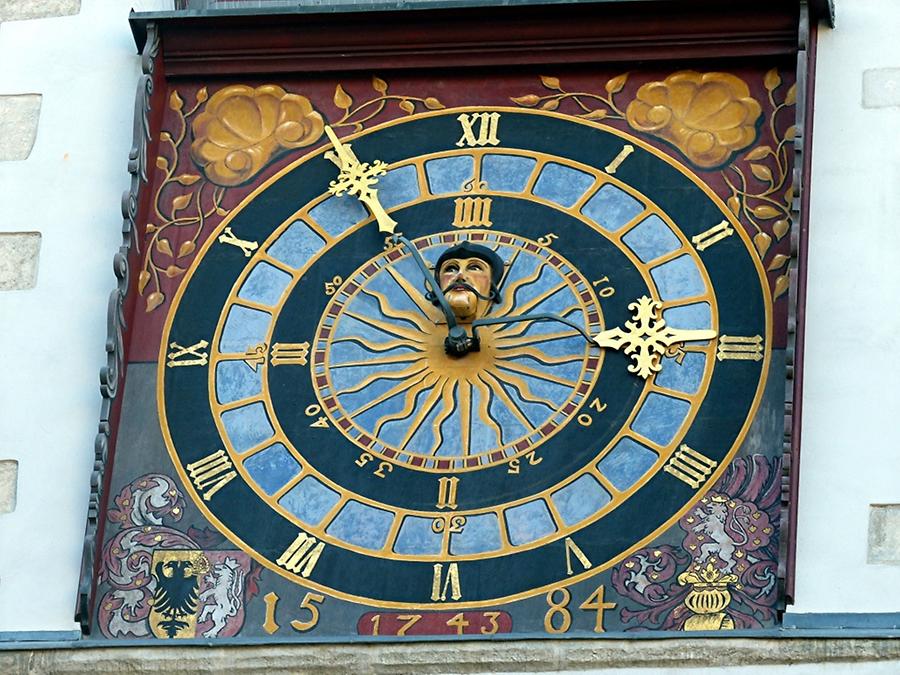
x,y
358,178
647,338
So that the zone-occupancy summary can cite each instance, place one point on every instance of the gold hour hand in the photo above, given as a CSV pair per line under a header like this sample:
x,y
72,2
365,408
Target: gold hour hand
x,y
358,179
647,337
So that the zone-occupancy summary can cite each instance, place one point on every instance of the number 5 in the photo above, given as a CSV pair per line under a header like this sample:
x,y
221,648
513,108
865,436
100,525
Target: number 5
x,y
307,604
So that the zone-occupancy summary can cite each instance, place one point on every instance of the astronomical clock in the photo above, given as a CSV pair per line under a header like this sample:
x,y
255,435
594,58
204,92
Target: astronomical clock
x,y
454,336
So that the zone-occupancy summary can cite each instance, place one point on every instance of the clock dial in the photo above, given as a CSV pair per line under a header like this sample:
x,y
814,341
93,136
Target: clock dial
x,y
381,364
310,404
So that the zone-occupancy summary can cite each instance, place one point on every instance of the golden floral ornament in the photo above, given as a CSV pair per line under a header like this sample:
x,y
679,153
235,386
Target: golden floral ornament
x,y
243,128
706,116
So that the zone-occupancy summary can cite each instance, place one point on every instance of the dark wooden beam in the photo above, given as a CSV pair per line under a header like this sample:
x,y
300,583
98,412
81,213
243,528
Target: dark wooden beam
x,y
485,36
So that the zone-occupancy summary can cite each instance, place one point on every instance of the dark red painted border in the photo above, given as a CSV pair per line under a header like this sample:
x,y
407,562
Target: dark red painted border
x,y
800,334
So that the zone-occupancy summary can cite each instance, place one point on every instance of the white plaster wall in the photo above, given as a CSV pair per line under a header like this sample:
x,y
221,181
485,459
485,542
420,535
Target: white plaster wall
x,y
52,336
851,404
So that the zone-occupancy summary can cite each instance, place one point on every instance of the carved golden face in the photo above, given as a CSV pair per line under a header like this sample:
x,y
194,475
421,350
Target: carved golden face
x,y
454,277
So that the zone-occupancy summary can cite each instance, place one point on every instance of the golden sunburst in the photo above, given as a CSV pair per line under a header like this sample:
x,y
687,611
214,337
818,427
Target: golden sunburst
x,y
388,384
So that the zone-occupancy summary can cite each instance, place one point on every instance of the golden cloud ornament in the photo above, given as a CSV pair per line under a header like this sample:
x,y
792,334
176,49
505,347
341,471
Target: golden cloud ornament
x,y
706,116
243,128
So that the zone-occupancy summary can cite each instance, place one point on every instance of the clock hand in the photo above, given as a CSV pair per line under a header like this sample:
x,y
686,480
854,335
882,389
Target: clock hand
x,y
647,337
540,316
358,179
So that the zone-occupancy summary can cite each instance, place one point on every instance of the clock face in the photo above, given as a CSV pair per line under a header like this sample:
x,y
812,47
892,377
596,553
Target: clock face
x,y
312,410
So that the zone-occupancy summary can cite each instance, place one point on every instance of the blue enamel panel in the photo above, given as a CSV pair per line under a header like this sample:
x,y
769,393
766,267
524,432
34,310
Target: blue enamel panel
x,y
528,522
417,538
651,238
296,245
612,207
272,468
480,535
310,500
451,442
247,427
236,380
696,315
244,328
562,185
678,278
449,174
553,394
264,284
580,499
393,432
398,186
660,418
361,525
506,173
336,215
626,463
523,397
685,376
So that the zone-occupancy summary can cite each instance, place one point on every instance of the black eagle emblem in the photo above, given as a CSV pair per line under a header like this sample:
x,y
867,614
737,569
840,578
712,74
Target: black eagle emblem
x,y
175,597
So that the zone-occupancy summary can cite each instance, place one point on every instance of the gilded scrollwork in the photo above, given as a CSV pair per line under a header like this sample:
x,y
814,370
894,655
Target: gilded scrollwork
x,y
233,134
175,208
709,119
591,105
768,208
356,115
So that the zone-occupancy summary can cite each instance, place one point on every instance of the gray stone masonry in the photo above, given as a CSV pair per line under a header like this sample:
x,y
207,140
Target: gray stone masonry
x,y
16,10
9,471
423,658
19,114
881,88
884,534
19,260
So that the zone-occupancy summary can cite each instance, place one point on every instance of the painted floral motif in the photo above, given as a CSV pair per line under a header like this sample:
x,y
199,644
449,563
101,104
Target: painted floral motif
x,y
243,128
729,550
147,509
764,195
356,115
707,116
237,132
648,578
713,122
147,501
